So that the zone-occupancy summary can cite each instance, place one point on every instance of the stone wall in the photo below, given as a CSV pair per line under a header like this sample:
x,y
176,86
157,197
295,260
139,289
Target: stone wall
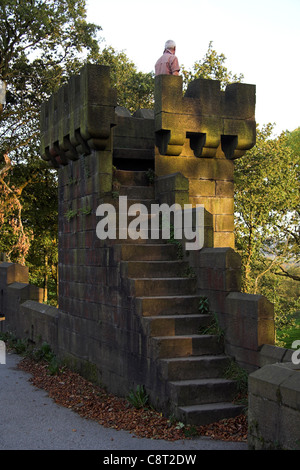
x,y
246,320
199,134
133,139
191,143
274,410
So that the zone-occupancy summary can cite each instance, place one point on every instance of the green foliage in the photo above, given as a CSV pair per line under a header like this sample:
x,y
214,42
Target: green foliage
x,y
86,210
150,175
266,200
203,305
212,66
135,89
70,214
19,346
235,372
42,43
24,347
44,353
139,397
174,241
267,220
213,328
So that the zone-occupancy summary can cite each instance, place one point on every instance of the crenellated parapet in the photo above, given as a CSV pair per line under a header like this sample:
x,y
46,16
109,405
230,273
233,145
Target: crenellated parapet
x,y
217,123
79,117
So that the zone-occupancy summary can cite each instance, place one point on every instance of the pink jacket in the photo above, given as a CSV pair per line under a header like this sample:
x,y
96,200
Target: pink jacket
x,y
167,64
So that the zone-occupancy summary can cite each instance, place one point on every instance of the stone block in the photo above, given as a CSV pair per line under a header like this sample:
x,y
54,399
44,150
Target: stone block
x,y
219,279
215,205
12,272
171,182
133,136
224,188
267,380
224,223
39,322
250,320
168,94
219,258
239,101
193,168
207,95
202,187
274,407
224,239
270,354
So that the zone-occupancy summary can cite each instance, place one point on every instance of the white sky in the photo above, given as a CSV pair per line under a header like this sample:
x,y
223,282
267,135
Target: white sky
x,y
260,39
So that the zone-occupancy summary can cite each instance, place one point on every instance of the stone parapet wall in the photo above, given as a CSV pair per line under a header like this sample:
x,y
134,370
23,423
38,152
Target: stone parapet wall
x,y
79,117
274,408
246,320
218,123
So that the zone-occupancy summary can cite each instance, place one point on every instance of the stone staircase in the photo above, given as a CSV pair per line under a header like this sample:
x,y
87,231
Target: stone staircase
x,y
190,364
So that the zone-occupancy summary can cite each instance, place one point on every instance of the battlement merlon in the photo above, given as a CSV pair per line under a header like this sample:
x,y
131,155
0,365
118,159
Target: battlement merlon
x,y
79,117
212,119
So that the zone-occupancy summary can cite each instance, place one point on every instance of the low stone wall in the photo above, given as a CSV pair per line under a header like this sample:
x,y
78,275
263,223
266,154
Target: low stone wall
x,y
246,320
274,407
91,344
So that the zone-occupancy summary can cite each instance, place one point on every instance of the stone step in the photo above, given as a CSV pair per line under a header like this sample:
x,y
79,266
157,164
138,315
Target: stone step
x,y
137,192
139,234
162,347
148,252
161,286
171,325
168,305
194,367
131,178
146,269
138,202
200,415
202,391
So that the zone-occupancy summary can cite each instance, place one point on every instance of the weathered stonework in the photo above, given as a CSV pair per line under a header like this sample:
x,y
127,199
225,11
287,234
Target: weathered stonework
x,y
274,407
128,310
212,125
79,117
217,123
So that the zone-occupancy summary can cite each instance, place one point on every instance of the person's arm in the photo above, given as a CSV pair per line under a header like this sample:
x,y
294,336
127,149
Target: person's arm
x,y
174,66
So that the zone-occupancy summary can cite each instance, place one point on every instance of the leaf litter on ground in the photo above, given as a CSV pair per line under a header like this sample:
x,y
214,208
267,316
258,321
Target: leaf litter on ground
x,y
71,390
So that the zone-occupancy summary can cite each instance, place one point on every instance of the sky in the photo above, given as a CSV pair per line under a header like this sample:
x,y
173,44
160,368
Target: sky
x,y
259,38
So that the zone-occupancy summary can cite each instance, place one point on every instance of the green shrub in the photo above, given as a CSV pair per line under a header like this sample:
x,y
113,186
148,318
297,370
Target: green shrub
x,y
138,398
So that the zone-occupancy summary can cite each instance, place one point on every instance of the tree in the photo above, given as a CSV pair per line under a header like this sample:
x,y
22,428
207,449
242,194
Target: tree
x,y
42,43
266,201
135,89
267,223
212,66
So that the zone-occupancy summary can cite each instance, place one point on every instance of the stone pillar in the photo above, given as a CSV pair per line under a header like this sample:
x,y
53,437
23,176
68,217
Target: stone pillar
x,y
14,290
